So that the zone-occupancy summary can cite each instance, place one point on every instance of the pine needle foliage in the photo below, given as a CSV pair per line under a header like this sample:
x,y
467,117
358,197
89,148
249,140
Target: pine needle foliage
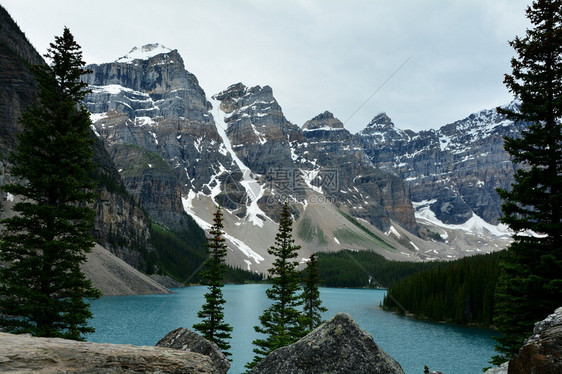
x,y
213,327
42,288
281,322
530,283
313,309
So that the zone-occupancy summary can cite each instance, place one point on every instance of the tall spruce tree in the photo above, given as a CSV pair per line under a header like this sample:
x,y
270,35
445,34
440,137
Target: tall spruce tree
x,y
281,322
213,327
313,308
530,283
42,289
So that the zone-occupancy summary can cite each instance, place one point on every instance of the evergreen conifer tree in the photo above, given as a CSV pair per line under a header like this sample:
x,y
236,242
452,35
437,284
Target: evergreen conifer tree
x,y
281,322
313,308
530,283
213,327
42,288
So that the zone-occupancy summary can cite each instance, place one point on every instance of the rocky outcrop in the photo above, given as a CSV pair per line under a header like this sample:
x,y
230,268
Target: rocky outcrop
x,y
154,120
25,354
258,131
365,191
542,352
502,369
465,157
336,347
187,340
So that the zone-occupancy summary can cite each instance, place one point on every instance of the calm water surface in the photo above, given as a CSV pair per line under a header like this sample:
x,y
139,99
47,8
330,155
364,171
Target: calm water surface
x,y
143,320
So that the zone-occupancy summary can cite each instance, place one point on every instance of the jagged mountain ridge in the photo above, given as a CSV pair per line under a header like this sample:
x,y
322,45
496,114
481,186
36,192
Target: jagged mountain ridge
x,y
455,169
236,161
178,153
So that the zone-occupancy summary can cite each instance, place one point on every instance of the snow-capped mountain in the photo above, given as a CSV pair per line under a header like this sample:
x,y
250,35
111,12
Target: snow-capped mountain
x,y
459,165
179,152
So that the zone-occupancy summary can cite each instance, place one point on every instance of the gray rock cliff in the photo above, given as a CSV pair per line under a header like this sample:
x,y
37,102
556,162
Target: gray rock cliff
x,y
465,157
258,131
338,346
364,190
267,142
153,118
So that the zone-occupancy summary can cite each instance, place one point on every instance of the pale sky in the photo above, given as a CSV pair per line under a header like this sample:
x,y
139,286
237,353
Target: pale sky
x,y
441,59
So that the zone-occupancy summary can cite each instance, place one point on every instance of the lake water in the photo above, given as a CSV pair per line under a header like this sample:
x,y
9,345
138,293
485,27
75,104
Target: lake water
x,y
143,320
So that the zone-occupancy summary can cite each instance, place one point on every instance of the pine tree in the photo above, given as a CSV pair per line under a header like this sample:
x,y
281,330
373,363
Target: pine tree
x,y
42,288
281,322
530,284
313,308
213,327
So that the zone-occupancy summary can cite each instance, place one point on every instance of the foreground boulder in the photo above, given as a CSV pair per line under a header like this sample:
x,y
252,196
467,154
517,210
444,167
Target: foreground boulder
x,y
542,352
25,354
337,346
187,340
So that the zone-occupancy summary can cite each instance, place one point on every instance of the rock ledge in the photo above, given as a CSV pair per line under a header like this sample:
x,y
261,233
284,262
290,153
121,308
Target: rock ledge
x,y
24,354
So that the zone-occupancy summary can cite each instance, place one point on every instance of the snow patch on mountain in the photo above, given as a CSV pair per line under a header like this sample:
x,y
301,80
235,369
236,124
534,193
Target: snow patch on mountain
x,y
143,53
254,191
239,244
475,225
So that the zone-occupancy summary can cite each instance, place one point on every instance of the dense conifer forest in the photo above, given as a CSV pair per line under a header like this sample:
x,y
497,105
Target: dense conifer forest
x,y
363,269
460,291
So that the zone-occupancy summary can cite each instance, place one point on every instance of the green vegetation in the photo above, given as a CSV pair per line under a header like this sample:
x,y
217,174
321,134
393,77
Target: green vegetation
x,y
460,291
364,269
281,323
180,253
145,160
308,231
530,284
352,238
42,288
311,317
212,326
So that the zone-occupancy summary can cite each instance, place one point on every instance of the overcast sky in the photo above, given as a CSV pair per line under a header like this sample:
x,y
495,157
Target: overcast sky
x,y
441,59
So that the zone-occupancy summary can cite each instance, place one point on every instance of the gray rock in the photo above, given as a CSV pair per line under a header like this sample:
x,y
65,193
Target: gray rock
x,y
26,354
466,156
186,340
542,352
337,346
502,369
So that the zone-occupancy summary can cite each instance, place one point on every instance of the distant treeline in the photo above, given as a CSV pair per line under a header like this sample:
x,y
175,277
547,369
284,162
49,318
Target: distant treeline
x,y
460,291
364,269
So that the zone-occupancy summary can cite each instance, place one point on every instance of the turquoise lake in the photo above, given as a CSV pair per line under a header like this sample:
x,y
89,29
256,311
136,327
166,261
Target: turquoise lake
x,y
143,320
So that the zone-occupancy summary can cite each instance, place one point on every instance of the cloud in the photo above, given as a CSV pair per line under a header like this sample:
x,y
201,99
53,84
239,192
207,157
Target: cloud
x,y
316,55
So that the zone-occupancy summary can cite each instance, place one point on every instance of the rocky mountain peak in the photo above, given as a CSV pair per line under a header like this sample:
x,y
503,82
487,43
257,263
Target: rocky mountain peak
x,y
381,120
253,116
239,98
324,121
144,53
150,82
